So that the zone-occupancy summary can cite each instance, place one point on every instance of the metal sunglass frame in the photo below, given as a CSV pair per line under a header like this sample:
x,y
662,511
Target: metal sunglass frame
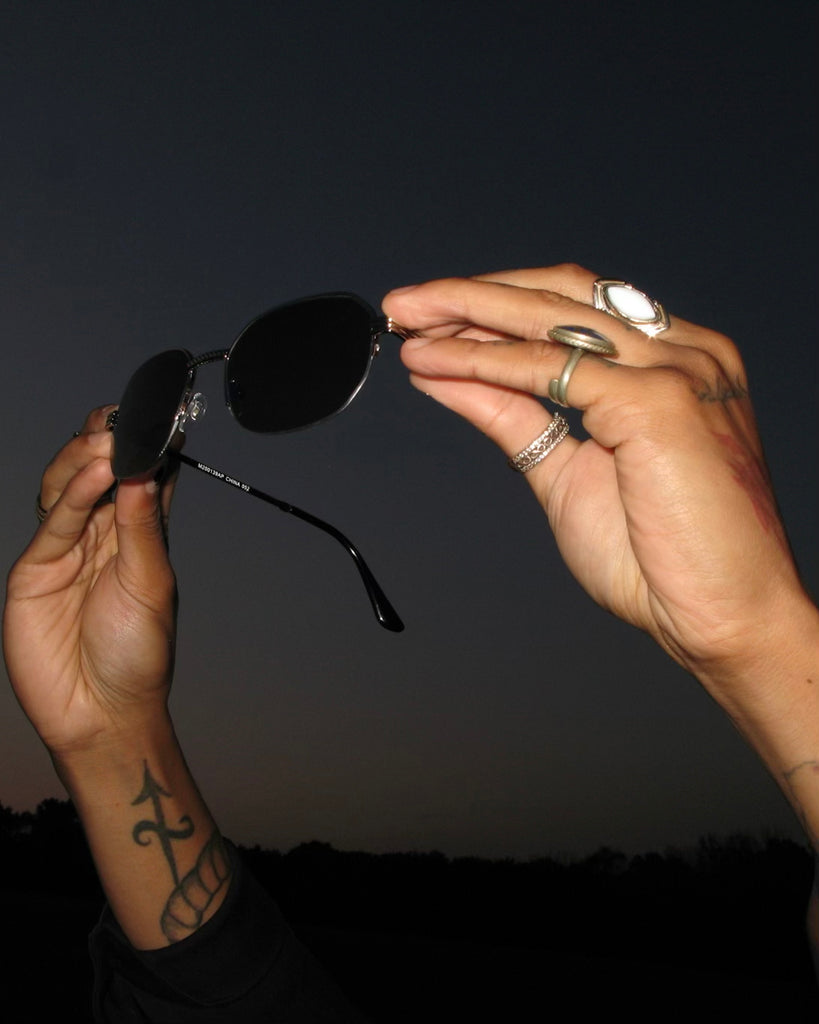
x,y
192,405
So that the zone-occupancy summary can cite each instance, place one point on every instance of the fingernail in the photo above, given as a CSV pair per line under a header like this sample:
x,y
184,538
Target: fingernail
x,y
406,288
412,344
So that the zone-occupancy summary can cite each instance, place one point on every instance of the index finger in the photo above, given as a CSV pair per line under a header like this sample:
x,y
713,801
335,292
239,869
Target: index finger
x,y
451,305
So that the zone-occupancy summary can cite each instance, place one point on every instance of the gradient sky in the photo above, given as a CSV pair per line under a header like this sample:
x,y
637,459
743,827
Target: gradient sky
x,y
172,169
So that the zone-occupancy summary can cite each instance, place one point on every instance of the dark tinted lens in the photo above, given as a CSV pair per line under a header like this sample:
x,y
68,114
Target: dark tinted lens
x,y
299,363
147,412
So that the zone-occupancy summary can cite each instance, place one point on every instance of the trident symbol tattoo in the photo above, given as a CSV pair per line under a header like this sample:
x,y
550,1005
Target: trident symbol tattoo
x,y
151,790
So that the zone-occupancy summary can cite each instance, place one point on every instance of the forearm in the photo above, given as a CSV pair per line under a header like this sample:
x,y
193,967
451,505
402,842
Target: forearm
x,y
773,699
155,845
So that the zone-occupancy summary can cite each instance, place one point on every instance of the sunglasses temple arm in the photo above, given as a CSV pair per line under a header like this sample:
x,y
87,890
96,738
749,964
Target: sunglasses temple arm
x,y
384,611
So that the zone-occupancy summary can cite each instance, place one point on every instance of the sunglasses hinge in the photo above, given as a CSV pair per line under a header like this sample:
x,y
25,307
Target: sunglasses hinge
x,y
193,409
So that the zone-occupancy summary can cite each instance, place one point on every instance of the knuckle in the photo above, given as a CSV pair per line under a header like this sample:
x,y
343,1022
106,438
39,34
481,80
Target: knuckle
x,y
715,366
702,365
542,314
726,352
576,275
673,387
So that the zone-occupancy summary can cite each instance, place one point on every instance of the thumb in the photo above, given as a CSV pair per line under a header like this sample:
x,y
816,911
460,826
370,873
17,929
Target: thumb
x,y
143,564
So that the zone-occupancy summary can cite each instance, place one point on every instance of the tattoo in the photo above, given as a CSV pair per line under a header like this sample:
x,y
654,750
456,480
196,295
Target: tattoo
x,y
192,895
750,474
190,899
722,390
813,765
151,790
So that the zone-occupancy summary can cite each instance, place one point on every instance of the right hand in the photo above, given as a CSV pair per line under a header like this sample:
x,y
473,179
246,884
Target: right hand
x,y
665,514
89,625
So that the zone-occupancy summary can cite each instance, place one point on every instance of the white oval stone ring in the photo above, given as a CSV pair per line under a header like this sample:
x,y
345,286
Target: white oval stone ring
x,y
630,305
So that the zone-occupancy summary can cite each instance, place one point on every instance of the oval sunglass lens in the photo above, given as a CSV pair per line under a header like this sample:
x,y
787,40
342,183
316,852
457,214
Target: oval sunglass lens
x,y
147,411
300,363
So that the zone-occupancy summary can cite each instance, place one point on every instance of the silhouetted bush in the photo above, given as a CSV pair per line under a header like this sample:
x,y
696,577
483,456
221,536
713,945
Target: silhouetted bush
x,y
731,908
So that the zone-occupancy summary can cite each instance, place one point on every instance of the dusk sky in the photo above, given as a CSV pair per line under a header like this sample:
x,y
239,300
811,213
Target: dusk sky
x,y
172,169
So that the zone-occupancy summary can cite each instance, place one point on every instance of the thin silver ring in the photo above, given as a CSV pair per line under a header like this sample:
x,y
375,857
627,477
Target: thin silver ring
x,y
627,303
544,443
559,385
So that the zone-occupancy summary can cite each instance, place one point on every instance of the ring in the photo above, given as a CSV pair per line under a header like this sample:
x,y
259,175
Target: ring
x,y
39,511
541,446
629,304
559,385
583,338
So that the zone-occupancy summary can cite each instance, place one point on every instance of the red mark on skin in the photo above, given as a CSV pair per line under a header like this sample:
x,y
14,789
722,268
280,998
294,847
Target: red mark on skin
x,y
752,478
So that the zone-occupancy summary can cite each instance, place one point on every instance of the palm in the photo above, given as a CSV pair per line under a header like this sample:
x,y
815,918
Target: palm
x,y
623,522
101,646
586,513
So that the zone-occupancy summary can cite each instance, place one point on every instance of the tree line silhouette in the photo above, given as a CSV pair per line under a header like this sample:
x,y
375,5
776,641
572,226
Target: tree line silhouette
x,y
421,936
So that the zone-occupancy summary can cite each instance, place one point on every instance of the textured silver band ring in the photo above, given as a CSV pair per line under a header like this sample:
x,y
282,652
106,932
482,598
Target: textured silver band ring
x,y
629,304
544,443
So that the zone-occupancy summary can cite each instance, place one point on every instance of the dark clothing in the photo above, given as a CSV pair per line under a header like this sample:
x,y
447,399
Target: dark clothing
x,y
242,966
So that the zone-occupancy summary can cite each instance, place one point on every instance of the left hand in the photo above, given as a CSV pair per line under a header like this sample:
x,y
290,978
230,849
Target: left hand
x,y
89,623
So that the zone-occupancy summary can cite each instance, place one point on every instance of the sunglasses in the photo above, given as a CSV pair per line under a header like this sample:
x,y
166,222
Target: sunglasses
x,y
292,367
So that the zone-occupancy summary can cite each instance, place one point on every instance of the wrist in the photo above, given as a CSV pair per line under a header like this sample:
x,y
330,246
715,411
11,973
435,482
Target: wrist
x,y
771,694
112,758
774,668
156,847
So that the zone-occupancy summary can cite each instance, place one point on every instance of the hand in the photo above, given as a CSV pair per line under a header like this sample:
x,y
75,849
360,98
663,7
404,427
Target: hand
x,y
665,515
89,623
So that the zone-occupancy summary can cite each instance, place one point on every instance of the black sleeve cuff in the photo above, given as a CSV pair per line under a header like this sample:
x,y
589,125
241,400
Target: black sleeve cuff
x,y
242,965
